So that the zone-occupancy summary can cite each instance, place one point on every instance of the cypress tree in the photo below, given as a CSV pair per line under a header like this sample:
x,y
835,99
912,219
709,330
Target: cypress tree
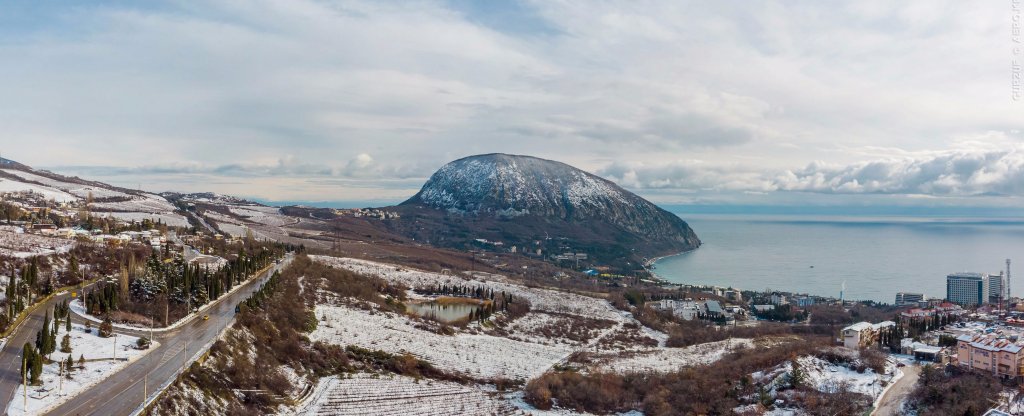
x,y
37,369
27,353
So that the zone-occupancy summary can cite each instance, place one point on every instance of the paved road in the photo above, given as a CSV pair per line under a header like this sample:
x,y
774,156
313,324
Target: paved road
x,y
10,356
123,392
893,398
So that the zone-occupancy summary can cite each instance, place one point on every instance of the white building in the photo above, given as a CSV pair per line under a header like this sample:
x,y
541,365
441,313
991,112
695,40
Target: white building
x,y
863,334
904,298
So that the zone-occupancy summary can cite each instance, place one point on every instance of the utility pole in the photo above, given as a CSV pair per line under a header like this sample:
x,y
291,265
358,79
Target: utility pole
x,y
24,380
145,377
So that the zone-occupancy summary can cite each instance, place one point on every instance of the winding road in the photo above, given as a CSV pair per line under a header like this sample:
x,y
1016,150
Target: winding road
x,y
125,391
892,402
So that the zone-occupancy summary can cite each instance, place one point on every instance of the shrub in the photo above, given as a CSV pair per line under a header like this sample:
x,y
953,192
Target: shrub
x,y
106,328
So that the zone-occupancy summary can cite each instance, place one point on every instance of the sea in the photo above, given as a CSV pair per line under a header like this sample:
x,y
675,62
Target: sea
x,y
874,257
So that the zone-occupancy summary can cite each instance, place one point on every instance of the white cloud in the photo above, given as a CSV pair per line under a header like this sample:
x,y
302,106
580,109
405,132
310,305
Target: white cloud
x,y
310,89
948,173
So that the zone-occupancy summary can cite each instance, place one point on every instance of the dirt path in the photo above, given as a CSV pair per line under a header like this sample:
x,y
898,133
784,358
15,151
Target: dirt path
x,y
893,398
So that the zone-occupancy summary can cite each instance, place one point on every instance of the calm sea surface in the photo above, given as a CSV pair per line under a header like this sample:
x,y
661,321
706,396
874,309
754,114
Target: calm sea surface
x,y
875,256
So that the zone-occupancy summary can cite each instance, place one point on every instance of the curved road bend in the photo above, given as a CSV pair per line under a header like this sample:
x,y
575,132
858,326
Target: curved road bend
x,y
10,356
123,392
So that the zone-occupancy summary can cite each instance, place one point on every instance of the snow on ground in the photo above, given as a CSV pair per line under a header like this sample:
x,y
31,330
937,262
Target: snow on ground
x,y
516,399
830,378
665,360
369,394
26,245
98,353
79,190
232,226
139,203
391,334
540,299
9,185
168,218
827,377
654,334
480,356
534,327
263,215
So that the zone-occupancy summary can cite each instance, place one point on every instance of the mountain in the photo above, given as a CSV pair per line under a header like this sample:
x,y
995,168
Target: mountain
x,y
532,202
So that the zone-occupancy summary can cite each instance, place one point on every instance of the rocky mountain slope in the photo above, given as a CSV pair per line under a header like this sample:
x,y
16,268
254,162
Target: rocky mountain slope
x,y
524,200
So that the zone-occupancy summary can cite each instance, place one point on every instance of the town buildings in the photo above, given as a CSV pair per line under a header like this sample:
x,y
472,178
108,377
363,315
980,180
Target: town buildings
x,y
991,353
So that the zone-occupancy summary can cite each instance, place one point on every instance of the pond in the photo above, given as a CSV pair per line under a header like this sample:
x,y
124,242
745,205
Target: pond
x,y
447,311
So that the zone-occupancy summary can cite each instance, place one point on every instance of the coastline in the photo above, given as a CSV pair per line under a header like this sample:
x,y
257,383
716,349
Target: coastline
x,y
649,264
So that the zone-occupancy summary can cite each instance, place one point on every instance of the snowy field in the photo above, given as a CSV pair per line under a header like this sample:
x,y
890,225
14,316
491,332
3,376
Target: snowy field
x,y
830,378
145,203
98,353
26,245
533,342
535,327
78,190
479,356
367,394
264,215
8,185
168,218
540,299
663,360
232,226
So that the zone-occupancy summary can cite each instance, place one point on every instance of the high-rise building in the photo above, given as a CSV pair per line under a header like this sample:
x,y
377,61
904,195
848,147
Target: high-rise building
x,y
996,286
904,298
967,289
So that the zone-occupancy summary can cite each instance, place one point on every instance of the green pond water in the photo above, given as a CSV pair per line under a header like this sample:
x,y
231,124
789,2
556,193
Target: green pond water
x,y
448,312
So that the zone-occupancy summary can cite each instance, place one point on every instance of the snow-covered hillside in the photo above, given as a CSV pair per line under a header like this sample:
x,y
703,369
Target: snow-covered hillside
x,y
107,200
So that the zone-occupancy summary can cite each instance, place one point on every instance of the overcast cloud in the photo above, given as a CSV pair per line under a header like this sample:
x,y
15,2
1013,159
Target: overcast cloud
x,y
351,100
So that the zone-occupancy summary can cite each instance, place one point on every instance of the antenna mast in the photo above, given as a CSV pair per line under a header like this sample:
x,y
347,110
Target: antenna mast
x,y
1007,284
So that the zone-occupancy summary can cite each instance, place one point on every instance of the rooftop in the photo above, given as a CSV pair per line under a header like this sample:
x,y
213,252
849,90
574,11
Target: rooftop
x,y
991,343
966,275
859,326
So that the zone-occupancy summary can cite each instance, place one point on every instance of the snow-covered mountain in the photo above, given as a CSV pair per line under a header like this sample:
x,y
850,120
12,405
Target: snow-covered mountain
x,y
522,190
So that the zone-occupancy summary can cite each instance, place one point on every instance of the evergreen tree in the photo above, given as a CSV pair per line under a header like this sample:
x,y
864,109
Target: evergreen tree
x,y
65,344
27,355
81,361
797,378
37,369
67,324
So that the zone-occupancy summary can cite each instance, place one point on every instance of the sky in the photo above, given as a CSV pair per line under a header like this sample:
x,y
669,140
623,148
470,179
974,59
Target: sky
x,y
729,102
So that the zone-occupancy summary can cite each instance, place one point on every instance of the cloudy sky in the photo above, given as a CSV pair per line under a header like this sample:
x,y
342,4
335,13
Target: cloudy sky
x,y
684,102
